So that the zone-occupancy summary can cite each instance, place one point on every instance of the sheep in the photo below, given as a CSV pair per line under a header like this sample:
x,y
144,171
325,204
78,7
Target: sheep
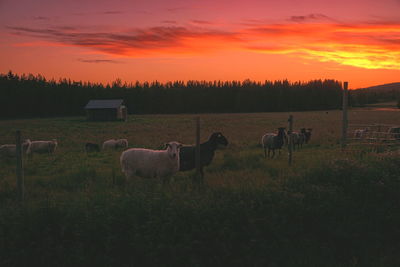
x,y
10,150
207,151
297,139
148,163
115,144
360,133
307,134
273,141
91,147
42,147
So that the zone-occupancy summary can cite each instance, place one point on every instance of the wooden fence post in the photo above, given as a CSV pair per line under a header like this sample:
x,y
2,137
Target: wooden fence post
x,y
345,119
290,139
19,169
199,176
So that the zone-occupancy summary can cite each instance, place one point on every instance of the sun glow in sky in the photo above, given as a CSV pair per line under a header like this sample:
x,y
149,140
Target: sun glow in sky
x,y
100,41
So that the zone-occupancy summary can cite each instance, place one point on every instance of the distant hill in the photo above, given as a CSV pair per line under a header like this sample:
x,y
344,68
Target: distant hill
x,y
376,94
383,87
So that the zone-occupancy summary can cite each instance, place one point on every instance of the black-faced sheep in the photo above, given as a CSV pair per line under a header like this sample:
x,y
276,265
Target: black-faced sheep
x,y
207,151
273,141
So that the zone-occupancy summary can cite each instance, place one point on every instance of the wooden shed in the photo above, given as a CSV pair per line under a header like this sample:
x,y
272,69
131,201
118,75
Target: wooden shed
x,y
106,110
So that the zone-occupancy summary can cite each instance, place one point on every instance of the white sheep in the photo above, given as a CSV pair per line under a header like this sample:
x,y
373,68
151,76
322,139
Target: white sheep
x,y
115,144
149,163
42,147
10,150
360,133
297,139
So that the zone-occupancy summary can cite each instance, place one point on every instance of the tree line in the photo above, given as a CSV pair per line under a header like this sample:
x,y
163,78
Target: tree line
x,y
35,96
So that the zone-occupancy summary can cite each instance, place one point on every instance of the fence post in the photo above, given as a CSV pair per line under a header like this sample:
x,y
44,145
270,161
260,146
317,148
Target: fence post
x,y
19,169
345,119
290,139
199,176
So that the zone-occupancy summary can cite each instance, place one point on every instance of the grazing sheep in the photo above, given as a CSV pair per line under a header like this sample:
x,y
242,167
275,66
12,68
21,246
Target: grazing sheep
x,y
91,147
207,151
273,141
149,163
42,147
394,132
115,144
10,150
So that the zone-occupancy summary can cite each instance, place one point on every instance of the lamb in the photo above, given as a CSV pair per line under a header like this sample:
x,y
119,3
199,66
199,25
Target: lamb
x,y
115,144
207,151
10,150
91,147
42,147
149,163
273,141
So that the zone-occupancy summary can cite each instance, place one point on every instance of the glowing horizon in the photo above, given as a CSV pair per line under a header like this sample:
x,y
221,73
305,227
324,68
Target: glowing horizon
x,y
195,42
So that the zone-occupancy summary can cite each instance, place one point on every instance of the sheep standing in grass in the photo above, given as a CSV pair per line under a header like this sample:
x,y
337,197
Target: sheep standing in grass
x,y
113,144
273,141
360,133
207,151
41,147
149,163
296,139
10,150
307,134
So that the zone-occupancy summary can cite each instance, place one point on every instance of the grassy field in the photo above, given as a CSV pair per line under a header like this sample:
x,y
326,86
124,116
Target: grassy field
x,y
330,208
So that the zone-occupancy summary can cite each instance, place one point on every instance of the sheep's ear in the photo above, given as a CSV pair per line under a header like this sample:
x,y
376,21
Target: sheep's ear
x,y
167,145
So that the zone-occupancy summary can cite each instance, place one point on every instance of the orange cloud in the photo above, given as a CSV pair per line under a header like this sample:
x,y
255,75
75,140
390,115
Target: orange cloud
x,y
363,45
369,46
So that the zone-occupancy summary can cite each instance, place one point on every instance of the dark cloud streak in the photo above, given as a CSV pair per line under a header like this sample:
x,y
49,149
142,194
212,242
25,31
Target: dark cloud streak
x,y
97,61
121,43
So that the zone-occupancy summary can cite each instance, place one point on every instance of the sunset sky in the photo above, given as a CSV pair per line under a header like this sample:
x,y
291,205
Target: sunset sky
x,y
146,40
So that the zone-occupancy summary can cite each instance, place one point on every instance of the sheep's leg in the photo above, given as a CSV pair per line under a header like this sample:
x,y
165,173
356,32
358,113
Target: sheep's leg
x,y
265,151
273,153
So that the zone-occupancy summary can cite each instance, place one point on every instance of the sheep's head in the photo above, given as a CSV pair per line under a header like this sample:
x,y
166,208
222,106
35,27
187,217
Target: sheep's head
x,y
173,149
219,139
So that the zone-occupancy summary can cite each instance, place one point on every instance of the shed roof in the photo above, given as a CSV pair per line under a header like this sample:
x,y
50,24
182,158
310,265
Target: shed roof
x,y
105,103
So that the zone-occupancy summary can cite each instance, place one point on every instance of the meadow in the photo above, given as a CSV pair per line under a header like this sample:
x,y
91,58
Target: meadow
x,y
330,208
